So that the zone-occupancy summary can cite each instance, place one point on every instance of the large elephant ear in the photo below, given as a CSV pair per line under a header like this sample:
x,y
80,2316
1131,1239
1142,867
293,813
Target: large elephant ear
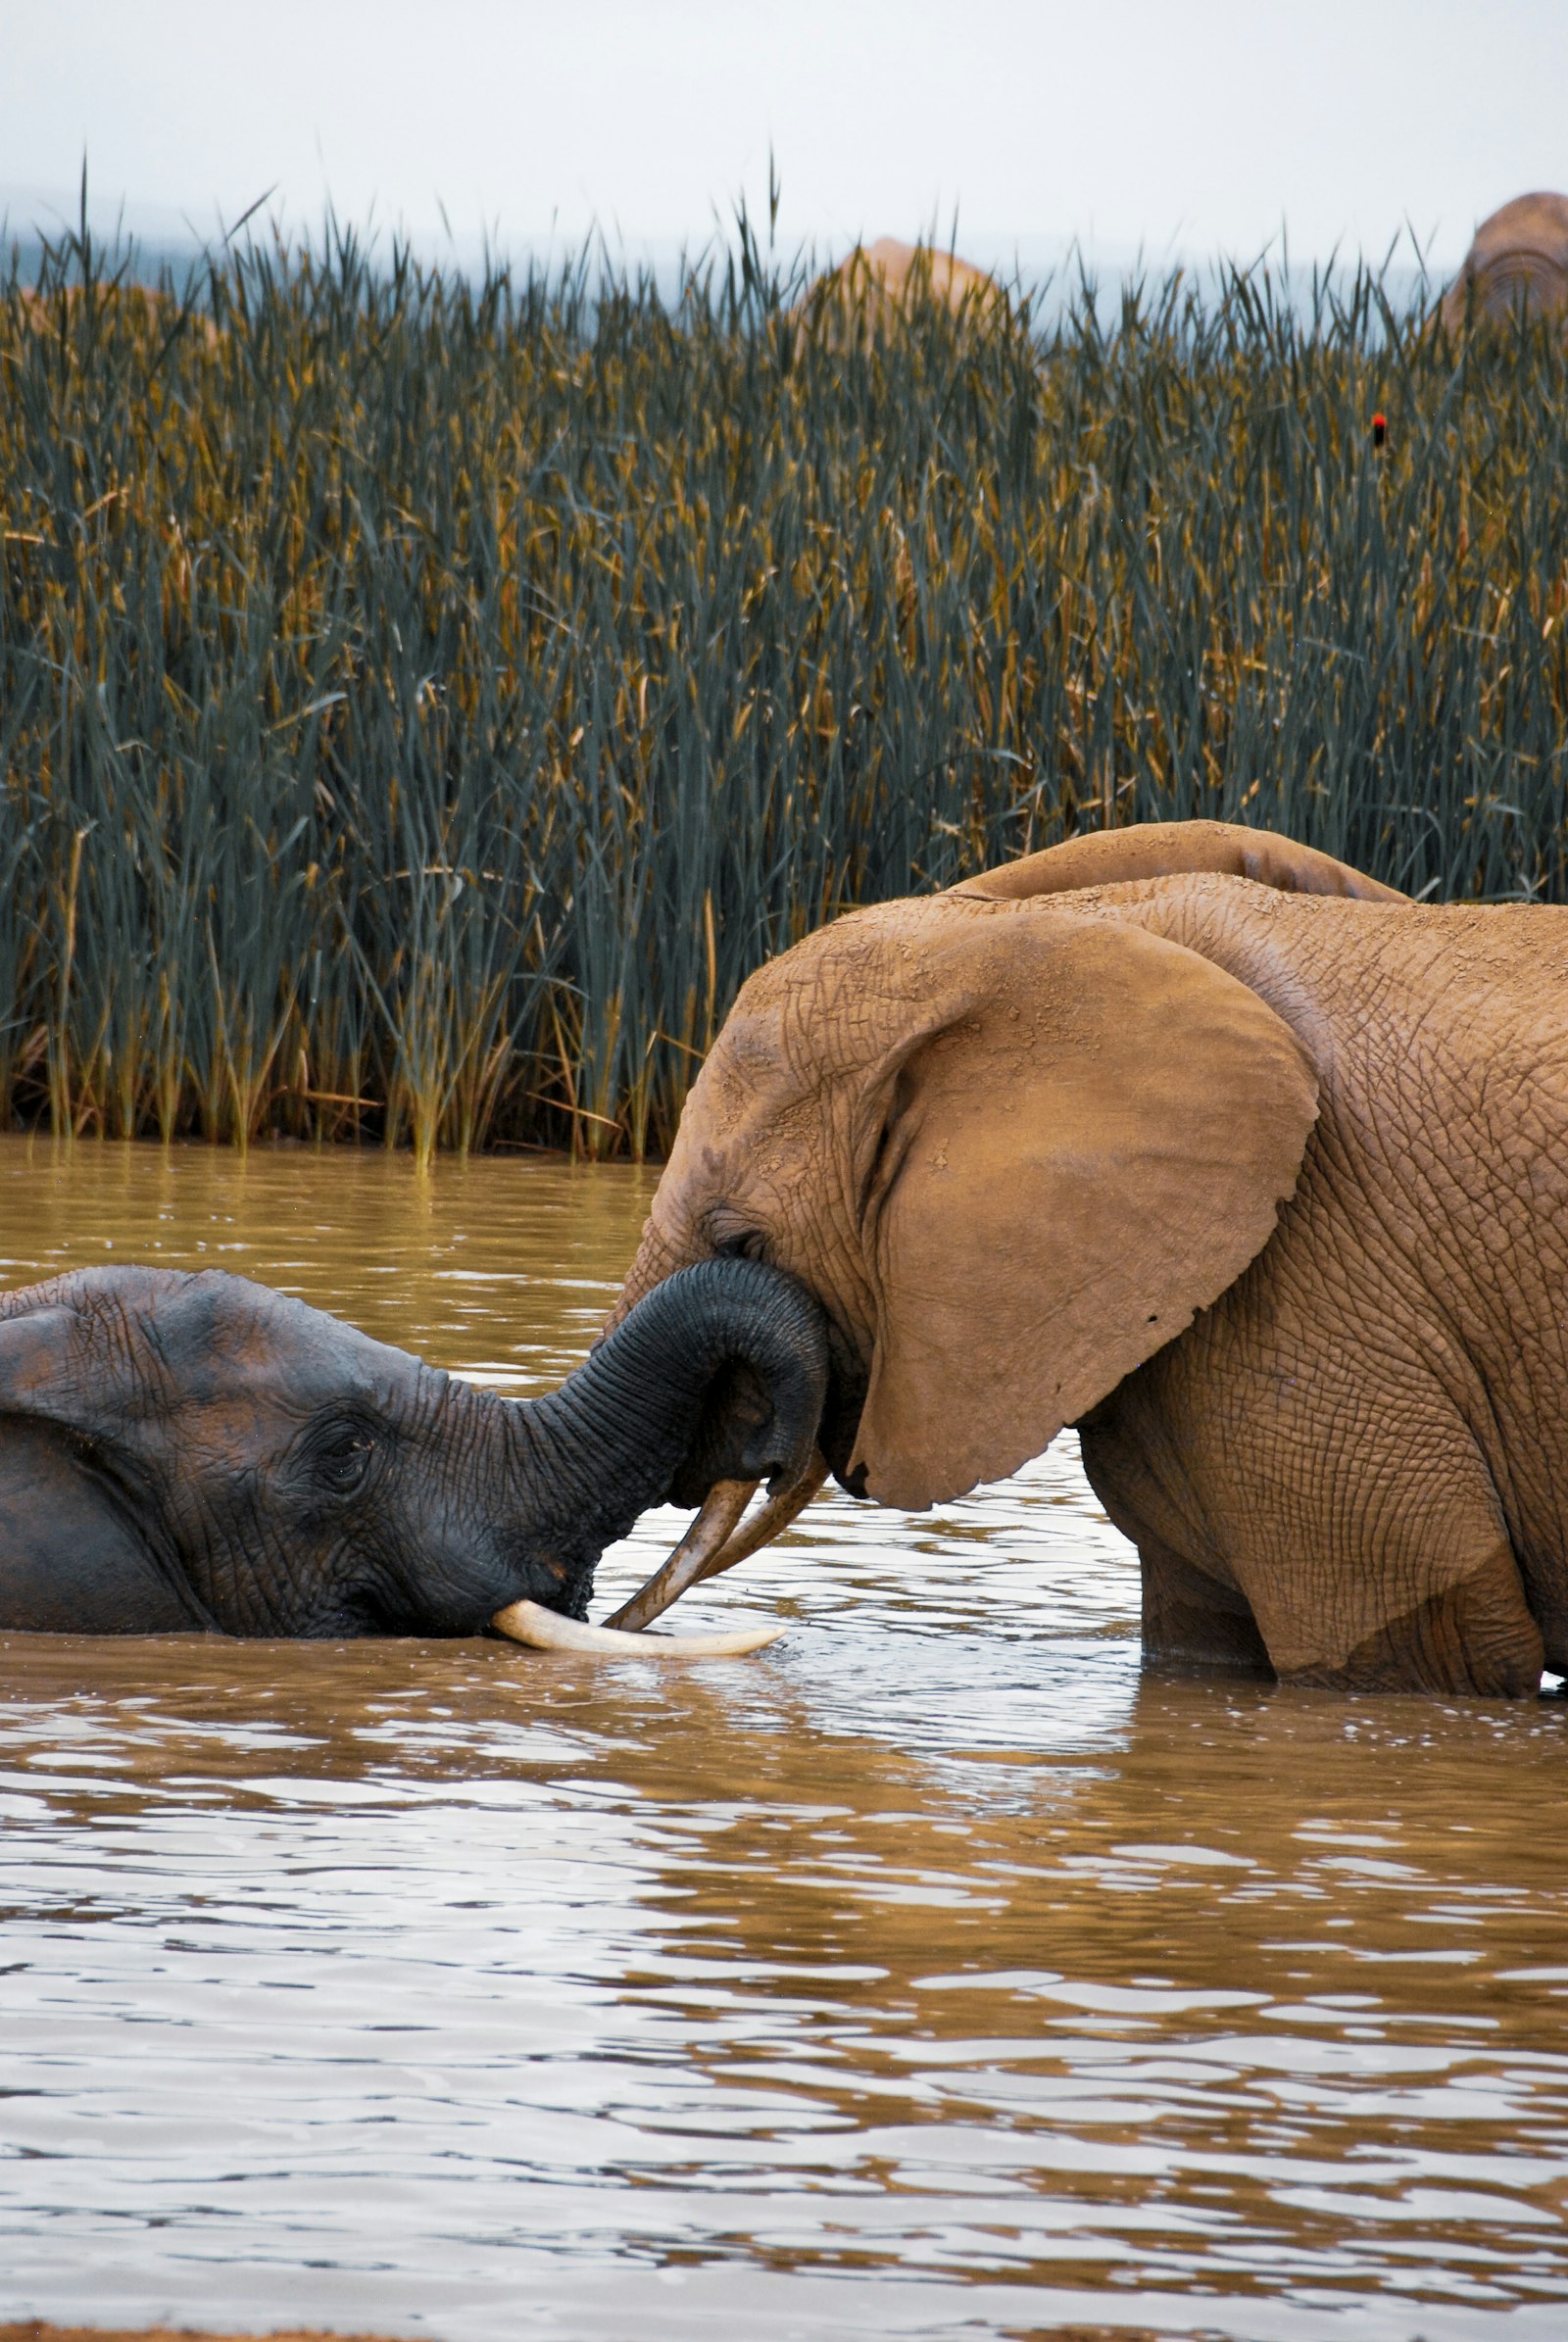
x,y
1109,857
72,1560
63,1355
1088,1150
40,1359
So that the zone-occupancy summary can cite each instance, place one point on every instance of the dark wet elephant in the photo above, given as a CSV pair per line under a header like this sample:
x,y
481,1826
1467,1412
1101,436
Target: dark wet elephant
x,y
187,1452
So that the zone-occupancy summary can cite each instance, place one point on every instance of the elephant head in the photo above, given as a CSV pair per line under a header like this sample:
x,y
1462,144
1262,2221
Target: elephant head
x,y
1519,258
182,1452
1012,1156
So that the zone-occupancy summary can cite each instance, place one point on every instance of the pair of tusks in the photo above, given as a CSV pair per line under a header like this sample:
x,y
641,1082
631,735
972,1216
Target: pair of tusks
x,y
714,1541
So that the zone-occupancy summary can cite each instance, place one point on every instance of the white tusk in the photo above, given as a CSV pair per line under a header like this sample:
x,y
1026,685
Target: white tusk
x,y
547,1631
707,1537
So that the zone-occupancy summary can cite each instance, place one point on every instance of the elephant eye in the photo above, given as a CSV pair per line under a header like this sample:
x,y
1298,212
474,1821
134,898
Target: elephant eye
x,y
747,1244
343,1459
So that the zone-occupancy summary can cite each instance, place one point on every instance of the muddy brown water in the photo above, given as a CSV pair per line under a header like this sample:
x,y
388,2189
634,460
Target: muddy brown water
x,y
934,1974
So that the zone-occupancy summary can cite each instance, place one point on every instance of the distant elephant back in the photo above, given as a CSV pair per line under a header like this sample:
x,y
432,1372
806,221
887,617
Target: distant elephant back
x,y
1171,848
879,279
1519,258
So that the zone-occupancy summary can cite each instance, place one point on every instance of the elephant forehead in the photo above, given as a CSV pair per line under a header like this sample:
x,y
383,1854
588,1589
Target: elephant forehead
x,y
749,1111
809,1026
769,1114
207,1339
802,1028
272,1343
834,1003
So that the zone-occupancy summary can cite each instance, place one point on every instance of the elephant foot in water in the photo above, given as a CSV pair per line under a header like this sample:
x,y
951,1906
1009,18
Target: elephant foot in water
x,y
1192,1620
1473,1639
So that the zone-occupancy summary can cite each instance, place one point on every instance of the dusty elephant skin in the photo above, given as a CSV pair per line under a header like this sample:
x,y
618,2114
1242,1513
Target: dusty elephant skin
x,y
188,1453
1519,259
1254,1171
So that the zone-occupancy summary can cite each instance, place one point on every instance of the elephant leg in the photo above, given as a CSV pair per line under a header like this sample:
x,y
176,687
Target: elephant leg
x,y
1475,1638
1545,1580
1192,1618
1401,1577
1365,1542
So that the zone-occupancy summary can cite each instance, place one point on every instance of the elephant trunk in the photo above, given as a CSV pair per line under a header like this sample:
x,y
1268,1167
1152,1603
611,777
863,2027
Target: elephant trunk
x,y
716,1377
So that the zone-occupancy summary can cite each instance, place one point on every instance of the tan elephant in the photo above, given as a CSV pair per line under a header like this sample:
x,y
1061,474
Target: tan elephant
x,y
1249,1167
879,278
1519,257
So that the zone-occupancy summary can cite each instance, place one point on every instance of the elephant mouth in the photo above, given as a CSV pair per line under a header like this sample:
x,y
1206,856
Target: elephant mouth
x,y
848,1382
722,1535
715,1541
746,1365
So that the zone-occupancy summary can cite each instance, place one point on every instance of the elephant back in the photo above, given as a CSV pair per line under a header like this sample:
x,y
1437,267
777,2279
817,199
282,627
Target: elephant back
x,y
1519,258
881,281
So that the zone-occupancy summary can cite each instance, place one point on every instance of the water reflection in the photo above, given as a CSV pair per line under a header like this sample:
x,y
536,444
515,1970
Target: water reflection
x,y
934,1974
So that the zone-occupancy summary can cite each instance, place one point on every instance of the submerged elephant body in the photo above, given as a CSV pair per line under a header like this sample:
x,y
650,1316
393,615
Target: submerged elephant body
x,y
1265,1186
200,1453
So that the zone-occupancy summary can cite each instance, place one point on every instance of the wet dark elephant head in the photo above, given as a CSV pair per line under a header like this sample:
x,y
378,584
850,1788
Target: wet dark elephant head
x,y
188,1452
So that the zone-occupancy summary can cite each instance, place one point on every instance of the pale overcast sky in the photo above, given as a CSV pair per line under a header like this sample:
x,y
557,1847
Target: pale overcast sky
x,y
1190,129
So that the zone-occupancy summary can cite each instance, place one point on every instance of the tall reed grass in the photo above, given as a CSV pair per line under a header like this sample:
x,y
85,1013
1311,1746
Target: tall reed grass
x,y
424,701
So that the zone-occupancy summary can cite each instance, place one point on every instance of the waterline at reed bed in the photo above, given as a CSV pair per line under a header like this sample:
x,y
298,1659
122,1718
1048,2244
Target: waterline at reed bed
x,y
422,700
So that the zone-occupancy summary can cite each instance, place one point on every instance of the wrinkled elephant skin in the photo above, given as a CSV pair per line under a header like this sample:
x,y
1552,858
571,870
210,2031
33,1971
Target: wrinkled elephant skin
x,y
1252,1170
189,1453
